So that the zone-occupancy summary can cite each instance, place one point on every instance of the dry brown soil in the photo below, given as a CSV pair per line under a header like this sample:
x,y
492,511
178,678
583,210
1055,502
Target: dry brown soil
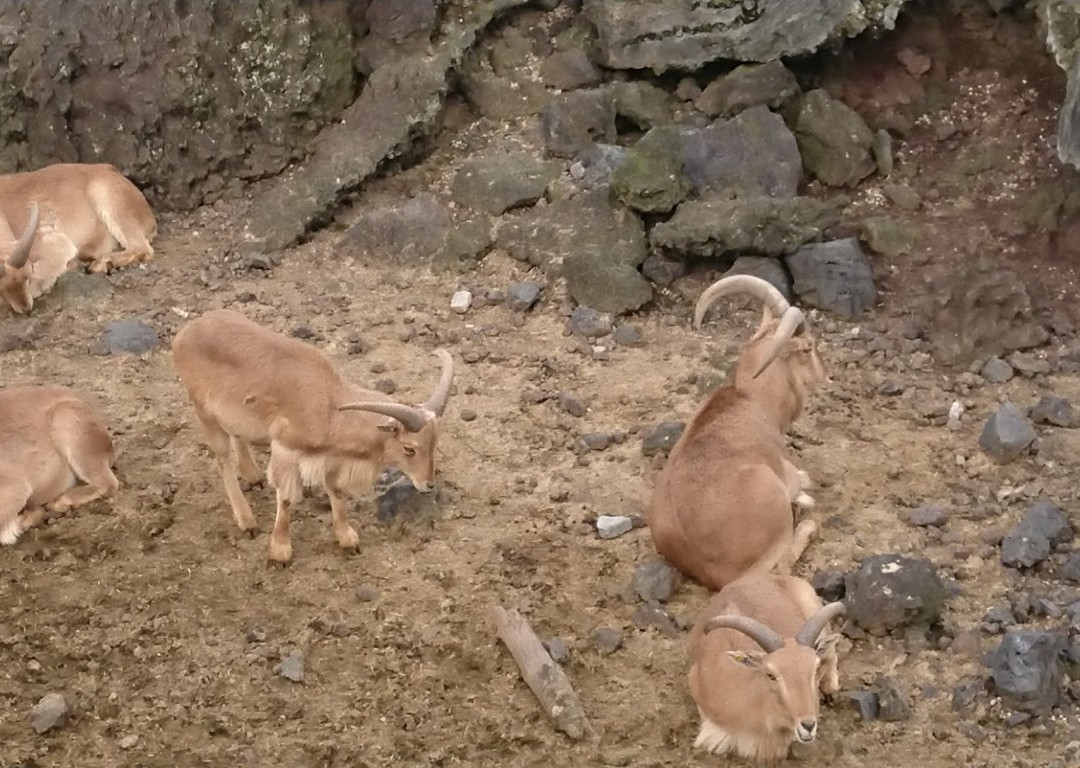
x,y
164,627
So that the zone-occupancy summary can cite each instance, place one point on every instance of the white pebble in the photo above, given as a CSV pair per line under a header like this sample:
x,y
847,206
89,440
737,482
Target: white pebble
x,y
460,301
613,526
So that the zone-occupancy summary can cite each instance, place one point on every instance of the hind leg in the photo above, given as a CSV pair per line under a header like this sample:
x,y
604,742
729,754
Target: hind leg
x,y
86,446
128,217
804,533
220,444
14,493
797,482
245,463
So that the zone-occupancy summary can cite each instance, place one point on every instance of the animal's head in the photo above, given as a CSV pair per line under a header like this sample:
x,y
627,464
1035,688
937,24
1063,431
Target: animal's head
x,y
782,355
15,267
412,431
790,669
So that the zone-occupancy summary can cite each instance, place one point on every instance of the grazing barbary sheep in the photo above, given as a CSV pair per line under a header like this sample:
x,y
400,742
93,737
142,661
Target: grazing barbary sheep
x,y
66,212
50,440
760,656
251,385
722,505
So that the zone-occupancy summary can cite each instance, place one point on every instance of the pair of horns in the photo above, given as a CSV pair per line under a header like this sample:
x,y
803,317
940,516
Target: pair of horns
x,y
791,318
767,638
21,252
413,418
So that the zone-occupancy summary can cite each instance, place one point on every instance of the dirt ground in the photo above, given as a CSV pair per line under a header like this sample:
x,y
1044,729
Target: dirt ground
x,y
164,627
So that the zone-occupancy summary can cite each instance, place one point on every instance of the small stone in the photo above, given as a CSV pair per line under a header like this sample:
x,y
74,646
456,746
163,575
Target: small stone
x,y
292,667
965,693
128,742
996,371
928,515
659,440
569,69
628,336
892,703
1006,434
367,593
652,615
467,414
865,703
402,501
129,335
881,150
1054,410
661,270
1046,518
1024,548
521,297
255,635
557,649
613,526
1028,365
1026,668
386,386
1070,569
888,236
587,322
607,640
460,301
52,711
655,580
902,196
572,404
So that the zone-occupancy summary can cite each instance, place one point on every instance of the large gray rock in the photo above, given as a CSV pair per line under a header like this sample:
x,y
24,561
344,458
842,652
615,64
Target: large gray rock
x,y
834,141
593,168
679,34
576,120
595,243
401,232
980,310
715,227
1027,668
655,580
129,335
750,85
1006,434
892,591
52,711
749,155
643,104
834,276
570,69
1060,20
497,183
651,179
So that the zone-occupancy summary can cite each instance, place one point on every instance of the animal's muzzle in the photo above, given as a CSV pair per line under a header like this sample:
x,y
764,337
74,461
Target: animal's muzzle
x,y
805,731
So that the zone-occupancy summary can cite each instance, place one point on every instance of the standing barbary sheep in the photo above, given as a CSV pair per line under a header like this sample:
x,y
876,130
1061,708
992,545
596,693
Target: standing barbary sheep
x,y
50,440
251,385
71,211
722,505
759,659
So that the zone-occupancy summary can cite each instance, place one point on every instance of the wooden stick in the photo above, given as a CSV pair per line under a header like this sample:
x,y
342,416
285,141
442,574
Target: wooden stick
x,y
546,678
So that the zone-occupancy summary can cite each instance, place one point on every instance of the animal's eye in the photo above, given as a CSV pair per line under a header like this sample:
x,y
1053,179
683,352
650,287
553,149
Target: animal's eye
x,y
409,451
770,675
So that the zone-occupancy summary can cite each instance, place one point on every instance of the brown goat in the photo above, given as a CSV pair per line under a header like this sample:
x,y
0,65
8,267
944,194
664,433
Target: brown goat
x,y
251,385
72,212
50,440
759,658
722,505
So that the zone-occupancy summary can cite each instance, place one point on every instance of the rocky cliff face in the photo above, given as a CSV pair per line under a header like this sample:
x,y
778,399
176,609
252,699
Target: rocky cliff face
x,y
188,97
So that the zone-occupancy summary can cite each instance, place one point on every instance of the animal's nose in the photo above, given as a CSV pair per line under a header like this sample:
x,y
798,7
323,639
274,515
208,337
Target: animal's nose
x,y
806,730
427,487
808,725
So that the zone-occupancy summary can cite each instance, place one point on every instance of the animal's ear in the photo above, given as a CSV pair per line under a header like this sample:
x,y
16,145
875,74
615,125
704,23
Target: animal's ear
x,y
751,659
392,427
826,643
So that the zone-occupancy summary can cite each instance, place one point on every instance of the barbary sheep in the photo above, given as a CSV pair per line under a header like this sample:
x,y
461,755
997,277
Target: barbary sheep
x,y
50,441
66,213
760,655
722,505
251,385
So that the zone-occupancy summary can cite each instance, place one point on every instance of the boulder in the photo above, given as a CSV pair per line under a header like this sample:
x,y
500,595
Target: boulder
x,y
750,85
1027,668
753,154
1061,25
715,227
409,231
834,141
834,276
674,34
567,70
643,104
574,121
593,167
650,179
768,269
1006,434
497,183
892,591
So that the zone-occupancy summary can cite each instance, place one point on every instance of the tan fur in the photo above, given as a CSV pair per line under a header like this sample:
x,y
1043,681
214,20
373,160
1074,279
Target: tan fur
x,y
50,441
86,210
250,385
722,505
742,711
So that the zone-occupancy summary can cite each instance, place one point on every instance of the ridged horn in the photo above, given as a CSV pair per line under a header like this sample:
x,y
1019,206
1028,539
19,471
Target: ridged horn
x,y
810,631
762,289
21,252
413,419
752,628
437,402
790,322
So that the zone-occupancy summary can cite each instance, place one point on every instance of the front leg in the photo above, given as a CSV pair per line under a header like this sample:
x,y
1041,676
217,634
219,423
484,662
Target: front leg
x,y
797,482
346,535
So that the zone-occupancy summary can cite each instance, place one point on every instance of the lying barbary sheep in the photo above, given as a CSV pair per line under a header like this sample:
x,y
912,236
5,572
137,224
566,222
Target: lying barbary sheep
x,y
72,211
50,441
722,505
251,385
760,656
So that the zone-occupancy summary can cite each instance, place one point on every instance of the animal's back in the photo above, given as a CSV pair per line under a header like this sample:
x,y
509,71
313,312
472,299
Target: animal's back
x,y
766,597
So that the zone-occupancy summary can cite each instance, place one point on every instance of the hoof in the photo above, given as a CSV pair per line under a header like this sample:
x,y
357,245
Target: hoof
x,y
280,553
349,541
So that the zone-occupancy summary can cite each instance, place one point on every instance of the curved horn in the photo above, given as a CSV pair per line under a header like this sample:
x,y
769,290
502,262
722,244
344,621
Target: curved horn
x,y
751,284
752,628
437,402
810,631
792,319
413,419
21,252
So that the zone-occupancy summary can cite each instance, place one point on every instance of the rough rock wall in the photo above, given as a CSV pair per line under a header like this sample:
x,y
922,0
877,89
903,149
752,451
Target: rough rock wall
x,y
190,98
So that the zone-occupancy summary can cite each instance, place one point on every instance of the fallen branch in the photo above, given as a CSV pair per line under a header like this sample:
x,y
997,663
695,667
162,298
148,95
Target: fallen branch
x,y
546,679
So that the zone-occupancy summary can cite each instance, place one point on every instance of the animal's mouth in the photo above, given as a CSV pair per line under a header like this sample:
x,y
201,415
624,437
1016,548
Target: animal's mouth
x,y
804,736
